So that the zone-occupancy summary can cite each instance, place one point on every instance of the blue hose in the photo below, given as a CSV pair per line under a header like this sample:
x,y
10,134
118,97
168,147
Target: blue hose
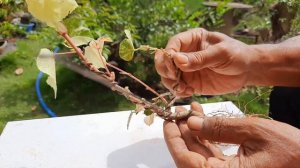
x,y
43,104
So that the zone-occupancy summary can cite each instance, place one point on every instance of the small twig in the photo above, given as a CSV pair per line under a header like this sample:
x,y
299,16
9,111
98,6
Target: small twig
x,y
65,54
129,119
138,80
173,101
162,95
146,48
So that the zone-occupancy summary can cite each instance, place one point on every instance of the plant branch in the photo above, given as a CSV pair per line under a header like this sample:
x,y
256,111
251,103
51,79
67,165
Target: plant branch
x,y
138,80
124,73
161,112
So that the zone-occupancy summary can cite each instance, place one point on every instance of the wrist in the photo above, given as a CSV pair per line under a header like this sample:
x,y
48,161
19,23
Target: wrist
x,y
275,65
258,64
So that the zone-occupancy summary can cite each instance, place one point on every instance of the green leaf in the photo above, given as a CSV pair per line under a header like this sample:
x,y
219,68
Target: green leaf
x,y
148,112
126,50
80,40
46,63
128,35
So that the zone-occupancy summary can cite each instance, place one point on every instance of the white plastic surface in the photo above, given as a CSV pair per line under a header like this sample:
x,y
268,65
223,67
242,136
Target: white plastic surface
x,y
90,141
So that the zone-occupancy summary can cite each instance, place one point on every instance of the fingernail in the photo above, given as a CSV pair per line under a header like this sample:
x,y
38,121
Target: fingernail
x,y
181,58
195,123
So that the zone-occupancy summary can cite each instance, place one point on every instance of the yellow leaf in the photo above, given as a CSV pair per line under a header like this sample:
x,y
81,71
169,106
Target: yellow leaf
x,y
46,63
52,12
139,108
105,39
94,54
100,43
80,40
149,119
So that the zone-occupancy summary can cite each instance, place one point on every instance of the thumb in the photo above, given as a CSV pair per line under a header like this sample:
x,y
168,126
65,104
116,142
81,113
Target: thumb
x,y
227,130
193,61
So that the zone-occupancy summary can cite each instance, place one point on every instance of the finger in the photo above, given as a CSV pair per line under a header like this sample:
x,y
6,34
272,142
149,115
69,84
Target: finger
x,y
164,66
168,83
181,41
217,152
187,41
180,109
192,142
187,92
195,106
193,61
216,37
169,64
178,149
180,90
159,65
220,129
173,139
194,40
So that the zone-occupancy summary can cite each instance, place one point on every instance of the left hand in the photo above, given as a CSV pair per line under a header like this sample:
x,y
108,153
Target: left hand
x,y
187,150
263,143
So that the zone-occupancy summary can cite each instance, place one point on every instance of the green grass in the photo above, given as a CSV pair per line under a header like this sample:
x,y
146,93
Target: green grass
x,y
253,100
76,95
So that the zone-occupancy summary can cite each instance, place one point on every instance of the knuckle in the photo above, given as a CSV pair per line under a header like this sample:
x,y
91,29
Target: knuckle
x,y
199,30
223,48
198,58
220,34
216,126
257,127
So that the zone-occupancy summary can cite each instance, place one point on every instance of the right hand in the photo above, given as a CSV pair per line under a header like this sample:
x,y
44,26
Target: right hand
x,y
212,63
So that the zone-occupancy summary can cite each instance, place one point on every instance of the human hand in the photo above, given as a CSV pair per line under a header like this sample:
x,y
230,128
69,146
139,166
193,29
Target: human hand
x,y
212,63
263,143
